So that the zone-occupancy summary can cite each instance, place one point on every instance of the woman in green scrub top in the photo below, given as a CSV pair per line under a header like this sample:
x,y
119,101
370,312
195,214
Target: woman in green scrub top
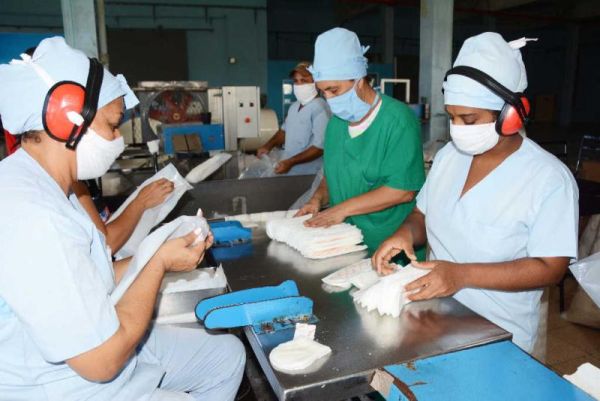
x,y
373,156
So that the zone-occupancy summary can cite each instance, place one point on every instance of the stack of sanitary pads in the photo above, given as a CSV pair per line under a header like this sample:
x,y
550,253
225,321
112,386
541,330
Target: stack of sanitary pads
x,y
316,242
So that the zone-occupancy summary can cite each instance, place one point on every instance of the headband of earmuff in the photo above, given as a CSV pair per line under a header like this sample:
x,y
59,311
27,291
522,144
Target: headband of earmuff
x,y
516,109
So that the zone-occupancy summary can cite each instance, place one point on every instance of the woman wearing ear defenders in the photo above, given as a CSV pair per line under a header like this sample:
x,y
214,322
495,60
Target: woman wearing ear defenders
x,y
61,336
373,156
499,212
118,231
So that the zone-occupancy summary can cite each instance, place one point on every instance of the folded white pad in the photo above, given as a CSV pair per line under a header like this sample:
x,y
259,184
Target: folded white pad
x,y
297,355
344,277
587,378
387,295
316,242
206,168
195,280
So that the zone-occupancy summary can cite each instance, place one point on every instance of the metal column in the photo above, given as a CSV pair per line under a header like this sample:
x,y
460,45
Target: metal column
x,y
388,35
435,59
571,61
79,21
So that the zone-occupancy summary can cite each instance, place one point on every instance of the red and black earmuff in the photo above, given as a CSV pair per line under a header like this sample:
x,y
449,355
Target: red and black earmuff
x,y
68,96
515,112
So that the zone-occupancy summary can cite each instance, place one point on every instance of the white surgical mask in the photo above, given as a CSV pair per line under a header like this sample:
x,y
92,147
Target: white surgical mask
x,y
95,154
305,93
474,139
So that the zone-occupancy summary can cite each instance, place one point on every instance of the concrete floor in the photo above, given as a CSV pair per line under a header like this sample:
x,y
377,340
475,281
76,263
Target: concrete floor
x,y
569,345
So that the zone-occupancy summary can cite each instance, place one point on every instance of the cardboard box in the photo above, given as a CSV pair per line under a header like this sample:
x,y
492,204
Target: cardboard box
x,y
589,170
187,143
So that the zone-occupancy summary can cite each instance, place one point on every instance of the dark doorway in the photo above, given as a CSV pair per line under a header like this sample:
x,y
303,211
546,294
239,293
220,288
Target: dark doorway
x,y
148,54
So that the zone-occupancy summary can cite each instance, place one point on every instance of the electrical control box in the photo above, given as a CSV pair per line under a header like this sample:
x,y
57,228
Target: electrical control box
x,y
241,113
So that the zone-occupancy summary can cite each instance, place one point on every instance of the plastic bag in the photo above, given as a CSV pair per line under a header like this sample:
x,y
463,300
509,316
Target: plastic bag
x,y
306,196
151,217
261,167
587,273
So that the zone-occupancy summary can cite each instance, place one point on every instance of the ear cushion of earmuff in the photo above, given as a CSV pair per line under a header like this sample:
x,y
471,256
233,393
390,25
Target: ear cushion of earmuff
x,y
509,120
63,97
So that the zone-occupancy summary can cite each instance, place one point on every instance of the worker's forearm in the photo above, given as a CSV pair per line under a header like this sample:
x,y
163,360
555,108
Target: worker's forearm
x,y
119,230
306,156
134,311
321,195
137,305
276,140
518,275
413,227
120,267
376,200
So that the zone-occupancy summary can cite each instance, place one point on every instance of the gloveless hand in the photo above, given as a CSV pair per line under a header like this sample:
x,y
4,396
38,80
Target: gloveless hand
x,y
263,150
180,255
444,279
328,217
283,166
155,193
401,241
311,207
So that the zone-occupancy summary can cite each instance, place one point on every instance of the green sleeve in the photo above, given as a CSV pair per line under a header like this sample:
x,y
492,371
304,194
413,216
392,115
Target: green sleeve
x,y
403,167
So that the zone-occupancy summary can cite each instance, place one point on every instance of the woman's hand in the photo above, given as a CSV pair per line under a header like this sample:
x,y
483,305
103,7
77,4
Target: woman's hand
x,y
445,279
283,166
311,207
401,241
181,255
263,150
155,193
329,217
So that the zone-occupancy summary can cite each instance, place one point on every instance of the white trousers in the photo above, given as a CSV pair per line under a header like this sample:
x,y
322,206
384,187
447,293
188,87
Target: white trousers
x,y
199,366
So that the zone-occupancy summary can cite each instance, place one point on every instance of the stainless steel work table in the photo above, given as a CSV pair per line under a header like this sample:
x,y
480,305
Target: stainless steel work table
x,y
360,341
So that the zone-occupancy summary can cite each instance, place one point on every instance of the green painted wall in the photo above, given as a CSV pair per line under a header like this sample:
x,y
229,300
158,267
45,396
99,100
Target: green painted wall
x,y
216,30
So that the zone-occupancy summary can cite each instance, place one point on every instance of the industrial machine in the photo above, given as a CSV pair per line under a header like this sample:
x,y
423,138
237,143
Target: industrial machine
x,y
186,122
218,117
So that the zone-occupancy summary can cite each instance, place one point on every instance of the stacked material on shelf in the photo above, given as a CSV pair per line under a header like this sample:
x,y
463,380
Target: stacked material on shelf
x,y
316,242
255,219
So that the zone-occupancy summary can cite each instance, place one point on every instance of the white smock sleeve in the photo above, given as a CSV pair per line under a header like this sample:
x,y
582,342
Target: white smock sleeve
x,y
555,223
55,288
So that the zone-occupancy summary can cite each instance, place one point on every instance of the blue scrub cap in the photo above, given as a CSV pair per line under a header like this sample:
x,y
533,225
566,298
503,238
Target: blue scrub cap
x,y
24,83
490,53
338,56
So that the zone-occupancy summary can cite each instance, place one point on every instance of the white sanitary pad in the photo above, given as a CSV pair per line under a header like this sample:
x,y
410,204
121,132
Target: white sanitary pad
x,y
587,378
254,219
199,279
205,169
343,278
297,355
